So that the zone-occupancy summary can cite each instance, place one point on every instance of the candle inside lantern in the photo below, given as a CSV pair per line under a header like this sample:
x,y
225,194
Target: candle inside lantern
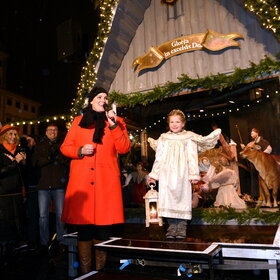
x,y
153,213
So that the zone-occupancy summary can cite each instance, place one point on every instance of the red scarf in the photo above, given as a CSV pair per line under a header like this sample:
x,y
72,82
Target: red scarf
x,y
10,147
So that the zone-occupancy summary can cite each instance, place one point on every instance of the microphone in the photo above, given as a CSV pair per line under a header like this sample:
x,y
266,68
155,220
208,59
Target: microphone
x,y
107,108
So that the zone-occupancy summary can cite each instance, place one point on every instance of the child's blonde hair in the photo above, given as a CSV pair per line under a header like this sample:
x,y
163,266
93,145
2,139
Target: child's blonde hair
x,y
177,112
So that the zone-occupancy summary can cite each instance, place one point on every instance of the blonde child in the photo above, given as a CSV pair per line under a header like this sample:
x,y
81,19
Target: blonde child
x,y
176,168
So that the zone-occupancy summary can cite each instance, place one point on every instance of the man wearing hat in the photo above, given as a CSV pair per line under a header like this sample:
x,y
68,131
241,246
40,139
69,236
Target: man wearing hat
x,y
11,198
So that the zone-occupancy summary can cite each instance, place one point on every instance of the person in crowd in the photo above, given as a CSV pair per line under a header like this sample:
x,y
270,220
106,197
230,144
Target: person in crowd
x,y
53,177
30,177
93,198
138,178
12,209
256,190
176,167
226,183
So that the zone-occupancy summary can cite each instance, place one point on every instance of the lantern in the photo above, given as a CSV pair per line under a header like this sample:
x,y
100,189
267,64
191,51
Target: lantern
x,y
151,206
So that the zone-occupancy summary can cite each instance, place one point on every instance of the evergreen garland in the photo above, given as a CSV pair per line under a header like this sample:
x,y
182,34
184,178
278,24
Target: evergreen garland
x,y
266,67
266,12
219,216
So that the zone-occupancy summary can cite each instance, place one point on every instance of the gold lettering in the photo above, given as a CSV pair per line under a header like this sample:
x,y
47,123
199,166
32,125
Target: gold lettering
x,y
210,40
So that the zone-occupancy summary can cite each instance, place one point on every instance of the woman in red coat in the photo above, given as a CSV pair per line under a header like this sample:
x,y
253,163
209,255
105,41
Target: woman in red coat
x,y
94,196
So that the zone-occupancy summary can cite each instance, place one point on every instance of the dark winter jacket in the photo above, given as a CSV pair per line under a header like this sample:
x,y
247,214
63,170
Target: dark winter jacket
x,y
10,176
11,199
53,166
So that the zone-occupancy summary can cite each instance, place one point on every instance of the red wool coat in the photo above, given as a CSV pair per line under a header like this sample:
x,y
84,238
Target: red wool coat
x,y
93,194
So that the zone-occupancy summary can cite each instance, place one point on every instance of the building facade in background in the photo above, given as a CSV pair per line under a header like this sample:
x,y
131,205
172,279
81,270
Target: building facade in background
x,y
14,107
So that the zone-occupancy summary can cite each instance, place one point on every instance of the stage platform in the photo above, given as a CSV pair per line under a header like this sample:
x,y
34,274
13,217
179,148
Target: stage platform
x,y
211,247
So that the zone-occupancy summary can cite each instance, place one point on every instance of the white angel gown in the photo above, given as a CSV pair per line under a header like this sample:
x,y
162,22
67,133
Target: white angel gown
x,y
176,163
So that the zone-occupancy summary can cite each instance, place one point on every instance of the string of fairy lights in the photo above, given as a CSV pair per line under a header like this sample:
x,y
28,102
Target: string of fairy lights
x,y
266,11
134,135
89,71
45,119
202,114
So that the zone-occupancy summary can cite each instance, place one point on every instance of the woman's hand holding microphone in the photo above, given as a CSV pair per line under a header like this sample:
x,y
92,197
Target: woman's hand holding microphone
x,y
110,114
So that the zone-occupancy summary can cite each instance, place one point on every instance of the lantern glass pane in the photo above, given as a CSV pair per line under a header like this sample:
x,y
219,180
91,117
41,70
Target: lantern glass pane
x,y
153,210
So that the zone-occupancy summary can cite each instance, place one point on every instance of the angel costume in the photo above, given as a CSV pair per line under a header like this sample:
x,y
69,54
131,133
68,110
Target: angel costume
x,y
227,195
176,163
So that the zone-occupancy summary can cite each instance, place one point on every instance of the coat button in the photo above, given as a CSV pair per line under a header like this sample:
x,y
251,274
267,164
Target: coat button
x,y
92,168
92,183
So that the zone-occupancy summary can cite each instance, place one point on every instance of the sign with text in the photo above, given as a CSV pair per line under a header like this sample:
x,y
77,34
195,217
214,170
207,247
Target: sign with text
x,y
210,40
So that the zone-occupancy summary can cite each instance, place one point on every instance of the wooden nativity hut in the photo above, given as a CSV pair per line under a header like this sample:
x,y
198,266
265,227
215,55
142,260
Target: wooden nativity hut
x,y
216,60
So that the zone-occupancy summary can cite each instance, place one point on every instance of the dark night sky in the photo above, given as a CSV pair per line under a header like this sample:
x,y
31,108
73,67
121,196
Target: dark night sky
x,y
28,34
